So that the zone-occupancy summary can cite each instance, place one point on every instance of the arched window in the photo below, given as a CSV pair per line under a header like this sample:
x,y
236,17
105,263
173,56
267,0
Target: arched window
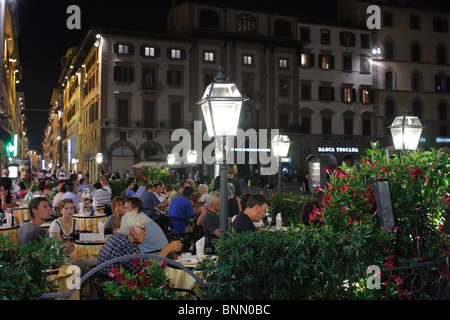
x,y
388,50
417,109
209,19
442,110
283,28
389,81
416,82
440,85
246,117
441,55
246,23
389,109
415,52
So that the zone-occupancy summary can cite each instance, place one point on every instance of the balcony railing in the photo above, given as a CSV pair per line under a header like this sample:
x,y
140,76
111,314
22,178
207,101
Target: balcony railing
x,y
126,123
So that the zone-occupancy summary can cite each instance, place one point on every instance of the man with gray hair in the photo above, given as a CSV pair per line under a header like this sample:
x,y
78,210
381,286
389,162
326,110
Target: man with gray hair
x,y
211,220
131,233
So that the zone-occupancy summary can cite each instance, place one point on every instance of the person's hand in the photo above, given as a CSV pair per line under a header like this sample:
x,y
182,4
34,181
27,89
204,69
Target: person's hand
x,y
70,246
174,246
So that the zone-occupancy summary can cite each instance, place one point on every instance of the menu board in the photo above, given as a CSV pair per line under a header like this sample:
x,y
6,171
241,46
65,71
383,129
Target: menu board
x,y
384,204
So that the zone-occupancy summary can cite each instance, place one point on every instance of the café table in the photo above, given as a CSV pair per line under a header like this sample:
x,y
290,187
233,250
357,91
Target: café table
x,y
64,278
21,214
10,232
87,249
182,280
90,223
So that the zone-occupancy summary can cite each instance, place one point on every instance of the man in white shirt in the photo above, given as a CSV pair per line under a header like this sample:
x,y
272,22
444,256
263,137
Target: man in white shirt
x,y
105,185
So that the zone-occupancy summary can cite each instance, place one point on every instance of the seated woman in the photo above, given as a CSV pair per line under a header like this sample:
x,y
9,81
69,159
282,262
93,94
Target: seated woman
x,y
65,226
113,222
41,189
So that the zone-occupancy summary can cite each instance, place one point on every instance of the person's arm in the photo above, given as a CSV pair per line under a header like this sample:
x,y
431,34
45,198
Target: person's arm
x,y
174,246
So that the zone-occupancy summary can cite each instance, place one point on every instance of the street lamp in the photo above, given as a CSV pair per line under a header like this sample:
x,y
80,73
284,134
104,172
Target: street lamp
x,y
221,106
171,159
280,149
99,158
191,156
406,131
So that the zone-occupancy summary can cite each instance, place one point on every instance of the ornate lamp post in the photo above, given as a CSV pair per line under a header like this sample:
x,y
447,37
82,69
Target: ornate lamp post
x,y
221,106
406,131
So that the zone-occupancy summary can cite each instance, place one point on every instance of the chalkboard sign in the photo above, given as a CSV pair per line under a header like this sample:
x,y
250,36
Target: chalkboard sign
x,y
384,205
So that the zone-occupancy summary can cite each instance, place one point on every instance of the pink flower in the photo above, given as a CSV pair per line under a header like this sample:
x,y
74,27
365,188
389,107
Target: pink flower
x,y
384,170
162,264
397,279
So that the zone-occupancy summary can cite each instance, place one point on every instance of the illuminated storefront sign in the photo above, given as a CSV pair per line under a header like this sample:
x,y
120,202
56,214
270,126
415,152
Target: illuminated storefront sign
x,y
338,149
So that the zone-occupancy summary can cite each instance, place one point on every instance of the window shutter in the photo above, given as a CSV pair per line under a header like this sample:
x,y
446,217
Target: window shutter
x,y
183,54
157,52
131,74
331,93
131,49
342,94
116,47
353,95
331,62
142,50
320,61
311,60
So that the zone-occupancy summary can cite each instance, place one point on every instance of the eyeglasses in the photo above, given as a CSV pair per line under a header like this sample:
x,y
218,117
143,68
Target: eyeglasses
x,y
142,228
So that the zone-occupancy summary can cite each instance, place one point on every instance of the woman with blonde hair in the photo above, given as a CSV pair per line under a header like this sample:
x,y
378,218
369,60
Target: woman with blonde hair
x,y
65,226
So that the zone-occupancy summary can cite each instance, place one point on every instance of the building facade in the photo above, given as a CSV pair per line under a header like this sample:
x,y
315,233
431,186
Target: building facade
x,y
410,65
333,88
11,101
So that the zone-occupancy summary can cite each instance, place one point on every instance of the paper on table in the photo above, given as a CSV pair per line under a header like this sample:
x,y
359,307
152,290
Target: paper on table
x,y
101,227
200,248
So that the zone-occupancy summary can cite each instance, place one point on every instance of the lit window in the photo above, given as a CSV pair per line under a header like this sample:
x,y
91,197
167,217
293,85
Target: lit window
x,y
247,60
347,95
123,49
365,96
305,60
282,63
149,51
175,54
209,56
326,62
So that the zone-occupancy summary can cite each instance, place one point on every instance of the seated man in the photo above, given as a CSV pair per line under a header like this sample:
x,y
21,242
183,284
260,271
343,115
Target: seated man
x,y
84,184
211,219
101,196
155,241
181,210
150,201
70,187
255,209
39,210
126,240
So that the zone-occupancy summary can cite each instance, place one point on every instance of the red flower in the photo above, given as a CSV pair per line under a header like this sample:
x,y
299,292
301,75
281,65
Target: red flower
x,y
162,264
397,279
384,170
343,188
416,172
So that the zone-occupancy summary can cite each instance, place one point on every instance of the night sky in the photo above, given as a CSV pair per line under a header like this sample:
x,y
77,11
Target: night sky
x,y
44,38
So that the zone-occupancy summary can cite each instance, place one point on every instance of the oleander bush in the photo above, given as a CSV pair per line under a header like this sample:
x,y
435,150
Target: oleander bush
x,y
290,206
23,266
333,255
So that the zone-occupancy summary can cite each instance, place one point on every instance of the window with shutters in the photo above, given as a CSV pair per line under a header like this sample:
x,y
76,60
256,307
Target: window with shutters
x,y
122,113
348,94
307,60
325,37
175,115
149,51
174,77
347,39
123,74
246,23
148,79
326,61
149,114
125,49
326,93
176,53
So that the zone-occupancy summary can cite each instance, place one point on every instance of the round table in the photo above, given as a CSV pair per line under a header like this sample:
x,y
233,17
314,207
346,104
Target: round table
x,y
90,223
87,250
21,214
10,232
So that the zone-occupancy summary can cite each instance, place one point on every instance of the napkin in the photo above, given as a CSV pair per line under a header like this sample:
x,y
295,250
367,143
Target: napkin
x,y
200,248
8,219
101,228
